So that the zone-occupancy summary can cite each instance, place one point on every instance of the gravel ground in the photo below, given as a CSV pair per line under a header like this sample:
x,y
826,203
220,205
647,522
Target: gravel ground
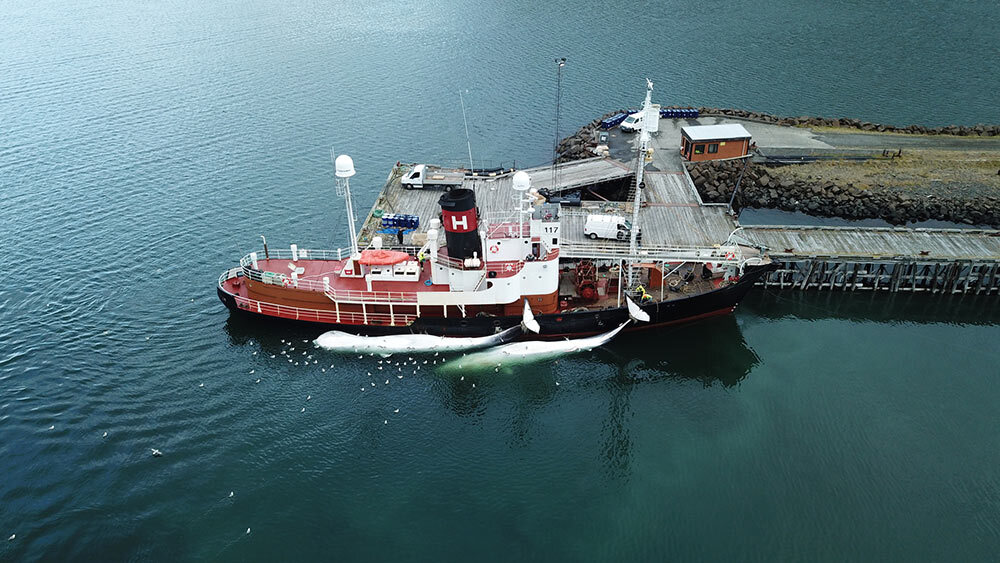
x,y
919,172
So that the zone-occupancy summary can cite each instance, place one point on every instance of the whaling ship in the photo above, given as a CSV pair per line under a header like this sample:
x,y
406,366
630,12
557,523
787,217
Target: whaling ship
x,y
476,270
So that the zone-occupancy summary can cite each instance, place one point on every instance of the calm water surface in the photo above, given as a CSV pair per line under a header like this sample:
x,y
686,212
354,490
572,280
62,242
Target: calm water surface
x,y
143,148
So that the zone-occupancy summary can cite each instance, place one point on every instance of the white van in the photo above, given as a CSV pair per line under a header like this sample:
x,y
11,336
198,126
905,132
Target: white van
x,y
632,123
607,226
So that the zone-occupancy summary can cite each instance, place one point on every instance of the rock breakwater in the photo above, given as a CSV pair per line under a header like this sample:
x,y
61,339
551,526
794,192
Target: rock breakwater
x,y
762,187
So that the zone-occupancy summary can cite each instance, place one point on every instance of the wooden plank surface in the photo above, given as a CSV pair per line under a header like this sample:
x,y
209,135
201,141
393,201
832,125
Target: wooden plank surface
x,y
876,242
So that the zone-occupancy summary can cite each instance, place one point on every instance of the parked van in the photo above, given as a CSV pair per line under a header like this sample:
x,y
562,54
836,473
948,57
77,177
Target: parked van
x,y
632,123
607,226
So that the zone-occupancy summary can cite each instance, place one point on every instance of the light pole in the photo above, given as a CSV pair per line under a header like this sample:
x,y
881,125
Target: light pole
x,y
560,63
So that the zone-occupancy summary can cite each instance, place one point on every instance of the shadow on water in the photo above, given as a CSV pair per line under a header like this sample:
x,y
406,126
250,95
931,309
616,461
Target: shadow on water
x,y
873,307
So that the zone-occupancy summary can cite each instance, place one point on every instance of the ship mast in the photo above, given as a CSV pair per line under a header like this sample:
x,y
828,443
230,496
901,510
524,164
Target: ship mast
x,y
344,169
648,114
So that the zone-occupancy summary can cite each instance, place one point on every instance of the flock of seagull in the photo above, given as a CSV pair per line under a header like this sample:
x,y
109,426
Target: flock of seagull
x,y
305,359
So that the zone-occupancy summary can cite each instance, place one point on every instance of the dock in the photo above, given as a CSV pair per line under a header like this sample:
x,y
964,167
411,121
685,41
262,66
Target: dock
x,y
673,216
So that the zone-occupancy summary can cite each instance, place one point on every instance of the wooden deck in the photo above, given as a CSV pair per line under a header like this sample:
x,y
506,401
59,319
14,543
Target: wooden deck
x,y
493,194
884,244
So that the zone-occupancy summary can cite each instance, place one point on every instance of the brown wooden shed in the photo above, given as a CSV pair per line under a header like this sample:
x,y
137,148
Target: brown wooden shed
x,y
714,142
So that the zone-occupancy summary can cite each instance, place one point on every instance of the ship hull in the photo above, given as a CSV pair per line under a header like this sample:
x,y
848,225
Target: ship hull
x,y
564,324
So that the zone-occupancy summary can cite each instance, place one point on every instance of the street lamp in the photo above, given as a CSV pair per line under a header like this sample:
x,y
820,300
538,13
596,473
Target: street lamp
x,y
560,63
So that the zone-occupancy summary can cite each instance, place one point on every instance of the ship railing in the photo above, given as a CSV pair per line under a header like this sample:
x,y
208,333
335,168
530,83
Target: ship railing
x,y
456,263
508,229
504,268
361,296
324,316
728,254
319,286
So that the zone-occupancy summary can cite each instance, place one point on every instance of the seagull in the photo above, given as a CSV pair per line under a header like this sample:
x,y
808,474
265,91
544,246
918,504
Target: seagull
x,y
272,355
255,353
369,374
557,384
105,435
309,397
258,380
386,381
461,378
253,370
397,410
231,493
473,385
435,353
362,387
156,452
399,377
291,349
53,427
373,384
248,531
324,370
386,422
303,409
201,385
11,538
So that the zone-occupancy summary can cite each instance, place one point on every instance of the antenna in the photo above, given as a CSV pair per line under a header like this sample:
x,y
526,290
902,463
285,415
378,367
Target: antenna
x,y
633,246
343,167
472,168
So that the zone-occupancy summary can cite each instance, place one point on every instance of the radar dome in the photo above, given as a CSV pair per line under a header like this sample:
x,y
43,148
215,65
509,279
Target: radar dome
x,y
344,166
522,181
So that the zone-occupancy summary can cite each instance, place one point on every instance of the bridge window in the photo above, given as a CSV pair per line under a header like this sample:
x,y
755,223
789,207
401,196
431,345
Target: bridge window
x,y
699,149
713,148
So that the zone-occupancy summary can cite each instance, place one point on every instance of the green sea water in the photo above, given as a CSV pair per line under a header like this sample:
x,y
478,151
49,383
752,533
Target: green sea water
x,y
145,147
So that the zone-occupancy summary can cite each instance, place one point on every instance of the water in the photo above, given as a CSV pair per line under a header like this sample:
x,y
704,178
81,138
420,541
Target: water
x,y
143,148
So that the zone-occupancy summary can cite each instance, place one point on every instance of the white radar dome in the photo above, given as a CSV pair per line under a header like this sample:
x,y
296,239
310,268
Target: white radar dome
x,y
522,181
344,166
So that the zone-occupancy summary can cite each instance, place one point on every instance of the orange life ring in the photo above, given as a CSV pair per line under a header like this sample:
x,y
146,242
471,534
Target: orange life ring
x,y
494,249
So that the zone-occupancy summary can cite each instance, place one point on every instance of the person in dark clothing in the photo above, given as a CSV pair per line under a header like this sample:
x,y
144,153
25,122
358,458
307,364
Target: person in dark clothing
x,y
399,236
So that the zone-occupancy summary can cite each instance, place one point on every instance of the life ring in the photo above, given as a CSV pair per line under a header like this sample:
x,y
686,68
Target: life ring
x,y
494,249
286,282
730,256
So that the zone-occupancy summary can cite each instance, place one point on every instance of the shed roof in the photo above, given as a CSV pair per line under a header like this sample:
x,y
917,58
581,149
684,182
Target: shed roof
x,y
712,132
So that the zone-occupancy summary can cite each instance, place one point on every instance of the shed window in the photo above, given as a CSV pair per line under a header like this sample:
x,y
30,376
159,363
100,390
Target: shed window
x,y
699,149
713,148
